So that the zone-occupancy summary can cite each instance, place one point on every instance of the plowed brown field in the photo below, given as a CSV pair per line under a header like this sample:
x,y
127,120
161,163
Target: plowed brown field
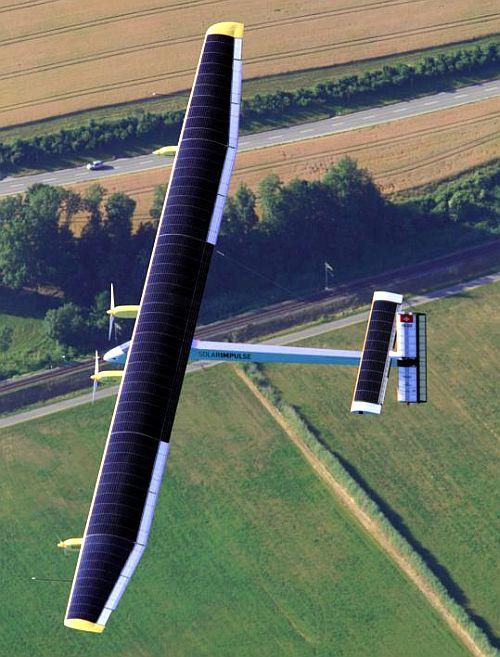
x,y
60,56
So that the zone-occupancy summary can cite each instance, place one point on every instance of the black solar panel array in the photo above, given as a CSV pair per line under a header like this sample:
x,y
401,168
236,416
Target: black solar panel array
x,y
379,340
158,355
422,356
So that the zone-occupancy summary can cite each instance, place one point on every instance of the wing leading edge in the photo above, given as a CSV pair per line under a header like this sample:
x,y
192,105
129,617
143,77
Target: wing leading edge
x,y
137,446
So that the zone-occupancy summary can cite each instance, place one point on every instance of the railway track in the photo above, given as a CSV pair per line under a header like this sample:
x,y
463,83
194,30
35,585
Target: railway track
x,y
10,386
265,316
392,278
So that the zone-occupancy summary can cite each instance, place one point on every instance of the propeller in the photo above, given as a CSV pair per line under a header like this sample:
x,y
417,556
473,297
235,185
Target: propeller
x,y
60,540
111,315
94,378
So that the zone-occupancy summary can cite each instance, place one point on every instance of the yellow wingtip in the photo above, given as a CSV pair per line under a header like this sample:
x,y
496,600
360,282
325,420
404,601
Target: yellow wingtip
x,y
84,625
234,30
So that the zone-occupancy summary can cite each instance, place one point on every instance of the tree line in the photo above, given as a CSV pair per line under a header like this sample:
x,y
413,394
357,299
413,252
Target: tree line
x,y
279,238
353,88
38,249
272,246
472,199
147,128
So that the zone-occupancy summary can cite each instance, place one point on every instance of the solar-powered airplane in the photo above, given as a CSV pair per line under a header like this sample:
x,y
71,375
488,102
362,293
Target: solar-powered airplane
x,y
155,359
388,325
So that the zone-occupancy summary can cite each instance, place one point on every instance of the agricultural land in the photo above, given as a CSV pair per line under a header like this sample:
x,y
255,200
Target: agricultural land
x,y
245,529
62,56
402,155
250,552
433,467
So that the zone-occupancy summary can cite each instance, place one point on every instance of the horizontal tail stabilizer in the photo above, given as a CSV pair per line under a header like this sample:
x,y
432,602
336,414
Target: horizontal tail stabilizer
x,y
373,372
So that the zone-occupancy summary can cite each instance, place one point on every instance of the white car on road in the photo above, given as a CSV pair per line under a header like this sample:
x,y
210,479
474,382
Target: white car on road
x,y
95,165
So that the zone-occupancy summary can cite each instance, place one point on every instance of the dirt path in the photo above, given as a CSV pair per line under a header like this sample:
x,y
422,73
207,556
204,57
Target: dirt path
x,y
366,522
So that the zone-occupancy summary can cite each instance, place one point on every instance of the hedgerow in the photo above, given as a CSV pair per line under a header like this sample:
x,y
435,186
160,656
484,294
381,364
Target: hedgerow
x,y
369,506
152,127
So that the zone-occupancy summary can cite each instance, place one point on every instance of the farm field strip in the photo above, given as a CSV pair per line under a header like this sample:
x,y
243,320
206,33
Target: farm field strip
x,y
280,40
173,40
194,38
181,73
385,149
412,134
441,146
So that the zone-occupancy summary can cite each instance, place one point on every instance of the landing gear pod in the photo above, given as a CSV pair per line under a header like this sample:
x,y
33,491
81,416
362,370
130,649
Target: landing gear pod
x,y
373,372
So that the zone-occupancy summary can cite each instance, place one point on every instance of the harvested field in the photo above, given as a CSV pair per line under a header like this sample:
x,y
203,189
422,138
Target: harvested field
x,y
62,56
402,154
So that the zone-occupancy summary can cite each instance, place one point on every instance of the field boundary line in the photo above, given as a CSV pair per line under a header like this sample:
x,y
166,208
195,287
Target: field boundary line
x,y
371,526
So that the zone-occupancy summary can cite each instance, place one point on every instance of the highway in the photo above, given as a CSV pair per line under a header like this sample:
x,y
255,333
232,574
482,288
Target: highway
x,y
289,338
336,124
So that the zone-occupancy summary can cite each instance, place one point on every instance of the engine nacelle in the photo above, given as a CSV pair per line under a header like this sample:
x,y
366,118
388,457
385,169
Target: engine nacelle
x,y
107,375
71,544
166,151
124,312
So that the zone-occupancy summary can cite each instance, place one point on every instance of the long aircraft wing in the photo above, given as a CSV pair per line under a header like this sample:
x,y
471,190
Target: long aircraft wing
x,y
137,447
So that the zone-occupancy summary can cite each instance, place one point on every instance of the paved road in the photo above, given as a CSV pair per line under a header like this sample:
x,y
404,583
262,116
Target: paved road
x,y
290,338
330,126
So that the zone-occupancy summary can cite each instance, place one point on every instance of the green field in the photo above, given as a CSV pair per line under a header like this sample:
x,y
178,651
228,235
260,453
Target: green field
x,y
28,348
250,554
434,467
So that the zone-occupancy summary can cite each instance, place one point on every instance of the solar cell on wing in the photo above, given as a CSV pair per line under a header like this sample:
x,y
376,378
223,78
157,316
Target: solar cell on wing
x,y
137,445
375,361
